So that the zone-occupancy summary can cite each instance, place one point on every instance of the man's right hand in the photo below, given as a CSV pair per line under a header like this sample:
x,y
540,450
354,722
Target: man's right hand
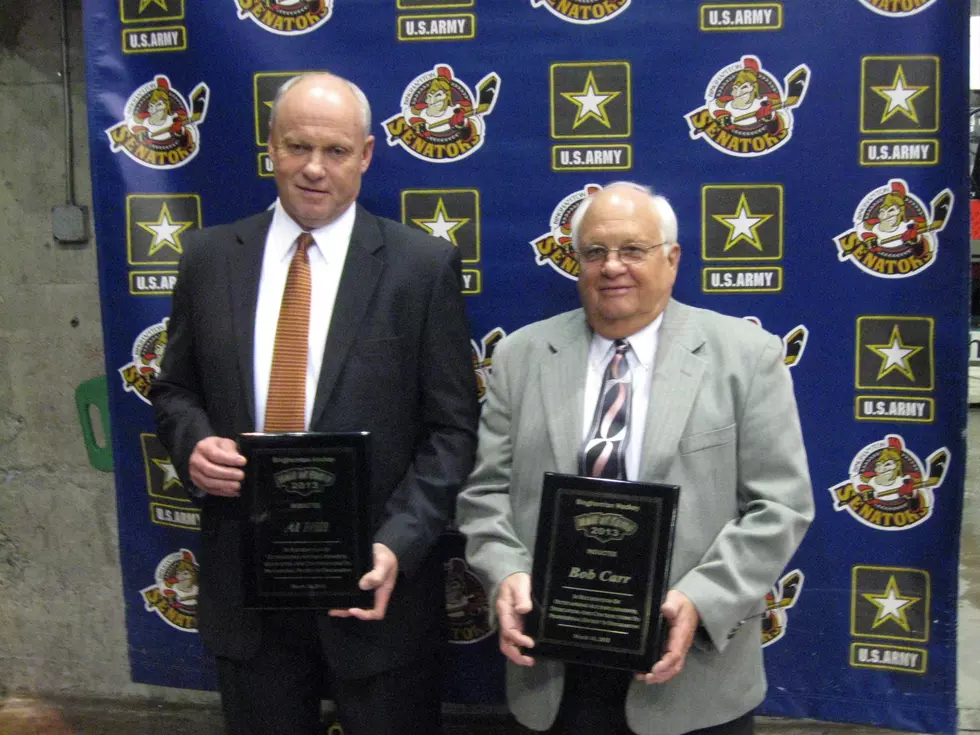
x,y
513,603
214,466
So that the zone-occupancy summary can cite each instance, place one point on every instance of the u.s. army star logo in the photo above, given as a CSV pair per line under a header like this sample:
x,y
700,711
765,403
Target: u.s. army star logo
x,y
900,94
741,222
591,99
156,225
890,602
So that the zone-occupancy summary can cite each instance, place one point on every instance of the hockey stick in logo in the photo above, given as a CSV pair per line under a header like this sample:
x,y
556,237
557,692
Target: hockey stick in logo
x,y
941,207
796,86
937,464
486,98
199,103
794,343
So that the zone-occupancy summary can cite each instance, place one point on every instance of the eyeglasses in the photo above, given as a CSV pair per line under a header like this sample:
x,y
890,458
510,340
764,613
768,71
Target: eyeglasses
x,y
628,255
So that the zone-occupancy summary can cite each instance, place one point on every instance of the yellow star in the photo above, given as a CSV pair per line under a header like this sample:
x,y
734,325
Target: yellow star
x,y
591,103
900,95
169,473
895,355
440,225
742,225
144,4
165,231
891,605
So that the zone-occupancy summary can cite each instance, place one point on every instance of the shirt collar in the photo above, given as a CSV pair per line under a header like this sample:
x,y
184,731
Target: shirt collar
x,y
284,230
642,345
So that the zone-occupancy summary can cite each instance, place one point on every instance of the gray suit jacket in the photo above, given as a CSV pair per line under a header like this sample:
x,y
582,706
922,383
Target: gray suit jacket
x,y
723,425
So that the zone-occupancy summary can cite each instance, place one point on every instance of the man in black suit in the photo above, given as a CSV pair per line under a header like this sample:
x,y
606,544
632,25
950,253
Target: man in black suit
x,y
388,353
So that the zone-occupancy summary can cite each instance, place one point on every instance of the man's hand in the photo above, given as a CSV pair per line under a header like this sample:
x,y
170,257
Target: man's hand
x,y
683,619
381,579
513,603
214,466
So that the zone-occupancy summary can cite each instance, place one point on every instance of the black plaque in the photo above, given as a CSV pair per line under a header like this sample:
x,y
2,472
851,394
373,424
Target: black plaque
x,y
306,539
601,568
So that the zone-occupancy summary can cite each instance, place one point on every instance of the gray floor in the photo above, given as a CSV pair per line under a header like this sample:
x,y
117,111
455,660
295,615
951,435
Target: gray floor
x,y
20,716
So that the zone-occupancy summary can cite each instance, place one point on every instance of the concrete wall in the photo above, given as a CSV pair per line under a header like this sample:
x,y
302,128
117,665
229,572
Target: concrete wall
x,y
61,613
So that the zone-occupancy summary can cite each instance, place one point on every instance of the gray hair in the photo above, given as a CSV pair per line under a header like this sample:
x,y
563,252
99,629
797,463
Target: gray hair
x,y
661,208
362,100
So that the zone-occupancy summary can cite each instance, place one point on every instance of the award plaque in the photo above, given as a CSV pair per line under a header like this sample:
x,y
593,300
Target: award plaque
x,y
601,568
306,537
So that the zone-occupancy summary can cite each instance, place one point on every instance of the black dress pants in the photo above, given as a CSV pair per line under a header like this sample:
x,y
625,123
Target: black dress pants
x,y
278,691
593,703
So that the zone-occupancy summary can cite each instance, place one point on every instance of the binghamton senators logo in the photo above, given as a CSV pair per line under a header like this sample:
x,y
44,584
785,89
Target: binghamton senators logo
x,y
160,129
897,8
174,596
467,605
893,234
747,112
583,11
286,17
555,246
441,120
794,341
779,599
148,349
483,359
889,487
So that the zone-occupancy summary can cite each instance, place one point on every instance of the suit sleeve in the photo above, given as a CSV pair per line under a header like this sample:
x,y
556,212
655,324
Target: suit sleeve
x,y
420,508
176,393
776,502
483,509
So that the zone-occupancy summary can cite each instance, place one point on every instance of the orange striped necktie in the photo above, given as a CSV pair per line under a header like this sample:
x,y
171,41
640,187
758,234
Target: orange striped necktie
x,y
285,408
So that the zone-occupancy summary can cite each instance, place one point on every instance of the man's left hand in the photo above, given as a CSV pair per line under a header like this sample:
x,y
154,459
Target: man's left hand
x,y
683,619
381,579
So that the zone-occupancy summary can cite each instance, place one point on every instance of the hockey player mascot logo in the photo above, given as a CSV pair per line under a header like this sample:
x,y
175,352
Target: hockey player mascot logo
x,y
467,606
585,12
160,129
441,120
893,234
286,17
889,487
482,354
779,599
555,246
147,353
746,111
174,596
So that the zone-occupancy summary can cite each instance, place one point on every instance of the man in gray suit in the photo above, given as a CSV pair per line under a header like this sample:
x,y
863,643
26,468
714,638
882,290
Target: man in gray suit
x,y
711,409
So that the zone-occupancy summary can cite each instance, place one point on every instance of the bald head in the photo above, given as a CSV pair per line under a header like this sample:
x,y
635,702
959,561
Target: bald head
x,y
659,205
325,81
320,147
621,298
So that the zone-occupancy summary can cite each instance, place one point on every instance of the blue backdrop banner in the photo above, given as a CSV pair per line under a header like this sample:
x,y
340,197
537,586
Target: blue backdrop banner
x,y
815,154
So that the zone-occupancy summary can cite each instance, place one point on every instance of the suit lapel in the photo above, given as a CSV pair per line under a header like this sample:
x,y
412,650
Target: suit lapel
x,y
676,378
361,275
244,264
562,376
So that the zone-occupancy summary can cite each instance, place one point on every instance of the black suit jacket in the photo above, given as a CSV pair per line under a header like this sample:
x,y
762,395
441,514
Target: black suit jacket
x,y
397,363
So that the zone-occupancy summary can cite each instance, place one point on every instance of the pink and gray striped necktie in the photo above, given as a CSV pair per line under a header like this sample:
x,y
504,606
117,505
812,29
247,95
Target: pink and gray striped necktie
x,y
285,408
604,453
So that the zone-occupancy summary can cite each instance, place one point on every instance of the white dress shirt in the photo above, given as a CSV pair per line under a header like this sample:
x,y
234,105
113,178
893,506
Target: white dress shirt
x,y
326,256
640,357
